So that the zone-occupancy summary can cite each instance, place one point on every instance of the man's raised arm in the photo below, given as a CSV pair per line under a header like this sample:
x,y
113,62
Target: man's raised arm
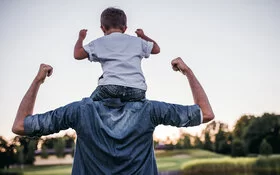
x,y
199,95
27,104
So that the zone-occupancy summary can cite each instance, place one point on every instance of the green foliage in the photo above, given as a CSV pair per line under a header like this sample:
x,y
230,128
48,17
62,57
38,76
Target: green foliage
x,y
207,142
222,140
44,152
241,126
267,126
265,148
184,142
69,141
237,148
261,165
59,147
268,164
49,143
30,155
26,147
20,154
7,156
197,143
218,165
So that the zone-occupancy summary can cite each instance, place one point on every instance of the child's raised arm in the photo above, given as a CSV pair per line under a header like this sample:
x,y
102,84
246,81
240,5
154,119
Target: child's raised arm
x,y
79,51
140,33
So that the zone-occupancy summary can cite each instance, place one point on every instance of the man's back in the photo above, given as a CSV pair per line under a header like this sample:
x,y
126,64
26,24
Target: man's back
x,y
113,137
116,140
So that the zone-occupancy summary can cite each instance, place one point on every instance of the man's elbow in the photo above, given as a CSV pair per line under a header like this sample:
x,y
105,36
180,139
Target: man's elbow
x,y
16,129
208,117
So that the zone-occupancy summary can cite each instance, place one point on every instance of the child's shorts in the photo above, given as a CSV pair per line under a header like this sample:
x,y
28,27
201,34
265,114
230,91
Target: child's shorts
x,y
115,91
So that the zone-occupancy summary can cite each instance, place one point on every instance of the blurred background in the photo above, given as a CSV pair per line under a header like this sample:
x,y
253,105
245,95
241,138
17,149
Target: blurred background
x,y
231,46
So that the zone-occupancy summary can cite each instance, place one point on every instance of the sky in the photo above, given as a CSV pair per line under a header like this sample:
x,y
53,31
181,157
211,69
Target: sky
x,y
232,46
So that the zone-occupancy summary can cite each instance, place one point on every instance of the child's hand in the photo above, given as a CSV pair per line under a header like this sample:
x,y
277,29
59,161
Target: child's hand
x,y
140,33
83,34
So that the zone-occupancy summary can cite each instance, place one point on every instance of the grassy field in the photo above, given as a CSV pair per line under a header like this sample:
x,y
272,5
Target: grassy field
x,y
173,160
253,165
166,161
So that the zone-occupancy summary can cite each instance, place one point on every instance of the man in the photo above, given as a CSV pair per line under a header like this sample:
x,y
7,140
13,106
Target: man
x,y
113,137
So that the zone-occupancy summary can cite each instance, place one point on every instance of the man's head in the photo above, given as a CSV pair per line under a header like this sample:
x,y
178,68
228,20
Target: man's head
x,y
113,19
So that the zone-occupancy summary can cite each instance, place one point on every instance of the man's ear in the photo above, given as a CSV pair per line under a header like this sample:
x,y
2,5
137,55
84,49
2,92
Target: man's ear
x,y
124,29
103,29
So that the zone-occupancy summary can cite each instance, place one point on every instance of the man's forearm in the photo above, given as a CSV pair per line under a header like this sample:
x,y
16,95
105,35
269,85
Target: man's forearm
x,y
199,96
26,107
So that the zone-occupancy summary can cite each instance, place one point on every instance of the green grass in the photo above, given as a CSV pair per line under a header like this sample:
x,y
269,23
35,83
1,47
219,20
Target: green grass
x,y
228,165
173,160
43,170
166,161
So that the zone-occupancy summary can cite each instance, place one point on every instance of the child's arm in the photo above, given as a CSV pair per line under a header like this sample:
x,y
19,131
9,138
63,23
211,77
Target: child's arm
x,y
79,51
140,33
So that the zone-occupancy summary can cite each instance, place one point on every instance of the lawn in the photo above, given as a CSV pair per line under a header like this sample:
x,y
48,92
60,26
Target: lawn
x,y
173,160
166,161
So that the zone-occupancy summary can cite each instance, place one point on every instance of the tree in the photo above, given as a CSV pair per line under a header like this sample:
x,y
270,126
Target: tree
x,y
59,147
265,148
44,152
222,140
69,141
184,142
28,146
30,155
207,142
237,148
197,143
7,155
49,143
241,126
20,155
267,126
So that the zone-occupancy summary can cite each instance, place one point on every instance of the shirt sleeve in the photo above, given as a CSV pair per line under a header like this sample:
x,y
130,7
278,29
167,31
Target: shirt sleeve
x,y
53,121
147,47
176,115
90,49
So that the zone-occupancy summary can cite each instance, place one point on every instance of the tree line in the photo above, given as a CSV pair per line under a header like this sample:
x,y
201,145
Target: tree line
x,y
22,150
251,135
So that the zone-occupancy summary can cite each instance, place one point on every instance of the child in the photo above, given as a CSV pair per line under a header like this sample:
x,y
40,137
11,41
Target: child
x,y
120,56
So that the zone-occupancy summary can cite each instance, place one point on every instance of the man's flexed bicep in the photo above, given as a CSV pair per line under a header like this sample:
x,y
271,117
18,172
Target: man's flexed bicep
x,y
53,121
175,115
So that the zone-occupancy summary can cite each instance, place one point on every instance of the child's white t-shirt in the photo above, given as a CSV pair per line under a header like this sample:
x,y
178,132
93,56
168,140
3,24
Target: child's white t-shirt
x,y
120,56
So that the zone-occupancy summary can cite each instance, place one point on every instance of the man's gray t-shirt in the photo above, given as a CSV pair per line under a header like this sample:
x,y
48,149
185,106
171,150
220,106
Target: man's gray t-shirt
x,y
113,137
120,56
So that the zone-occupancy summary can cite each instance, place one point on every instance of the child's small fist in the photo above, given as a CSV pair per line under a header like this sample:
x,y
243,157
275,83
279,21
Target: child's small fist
x,y
83,33
140,33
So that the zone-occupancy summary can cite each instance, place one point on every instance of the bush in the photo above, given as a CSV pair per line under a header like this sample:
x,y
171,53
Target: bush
x,y
59,147
265,148
237,148
219,165
261,165
44,153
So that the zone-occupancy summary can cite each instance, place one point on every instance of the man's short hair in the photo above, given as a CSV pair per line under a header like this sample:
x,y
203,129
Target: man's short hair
x,y
113,18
